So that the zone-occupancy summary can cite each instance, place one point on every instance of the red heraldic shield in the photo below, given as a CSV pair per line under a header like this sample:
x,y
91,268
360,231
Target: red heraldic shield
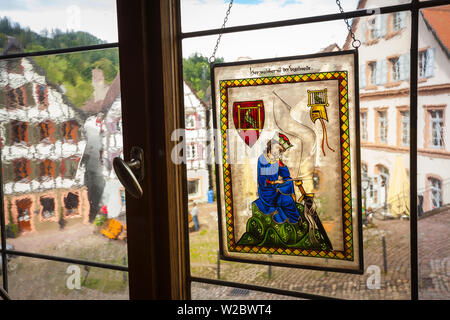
x,y
248,119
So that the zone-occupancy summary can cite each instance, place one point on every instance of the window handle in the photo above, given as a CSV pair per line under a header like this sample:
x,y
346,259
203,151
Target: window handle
x,y
130,173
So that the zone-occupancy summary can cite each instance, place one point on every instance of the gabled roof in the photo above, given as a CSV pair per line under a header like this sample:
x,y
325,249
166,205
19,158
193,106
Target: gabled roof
x,y
437,20
187,99
331,48
13,46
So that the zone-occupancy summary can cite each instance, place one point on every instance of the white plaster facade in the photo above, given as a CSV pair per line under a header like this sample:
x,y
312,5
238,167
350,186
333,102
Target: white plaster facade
x,y
31,110
389,97
196,146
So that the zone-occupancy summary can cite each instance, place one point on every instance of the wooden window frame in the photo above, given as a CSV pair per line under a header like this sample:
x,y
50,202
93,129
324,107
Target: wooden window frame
x,y
401,109
427,196
19,132
390,81
427,127
378,141
364,129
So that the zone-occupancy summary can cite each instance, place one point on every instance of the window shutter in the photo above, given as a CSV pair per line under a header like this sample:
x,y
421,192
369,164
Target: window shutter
x,y
377,26
384,71
378,72
383,25
2,98
8,133
403,16
404,66
381,72
30,95
362,75
34,133
363,30
8,172
429,68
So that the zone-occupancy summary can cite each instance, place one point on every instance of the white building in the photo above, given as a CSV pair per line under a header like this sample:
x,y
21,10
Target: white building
x,y
198,178
384,64
41,147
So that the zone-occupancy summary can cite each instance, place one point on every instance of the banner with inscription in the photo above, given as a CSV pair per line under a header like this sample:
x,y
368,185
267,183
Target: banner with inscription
x,y
288,162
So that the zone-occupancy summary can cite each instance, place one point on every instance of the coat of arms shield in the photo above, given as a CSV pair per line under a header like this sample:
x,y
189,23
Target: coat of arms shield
x,y
248,119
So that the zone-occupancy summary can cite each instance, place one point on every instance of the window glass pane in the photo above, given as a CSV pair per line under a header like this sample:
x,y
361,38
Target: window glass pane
x,y
205,291
38,279
386,232
245,12
268,43
60,128
44,25
433,157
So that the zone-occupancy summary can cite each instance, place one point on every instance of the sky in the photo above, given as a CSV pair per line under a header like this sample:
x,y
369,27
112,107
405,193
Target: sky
x,y
99,18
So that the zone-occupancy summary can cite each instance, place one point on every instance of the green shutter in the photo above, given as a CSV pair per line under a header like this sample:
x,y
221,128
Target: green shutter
x,y
57,164
8,134
8,172
2,98
35,169
29,93
58,131
34,133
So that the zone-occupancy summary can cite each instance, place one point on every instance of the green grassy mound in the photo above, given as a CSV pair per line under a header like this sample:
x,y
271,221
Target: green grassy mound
x,y
263,231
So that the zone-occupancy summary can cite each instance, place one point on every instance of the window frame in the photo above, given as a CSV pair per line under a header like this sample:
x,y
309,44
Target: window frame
x,y
163,18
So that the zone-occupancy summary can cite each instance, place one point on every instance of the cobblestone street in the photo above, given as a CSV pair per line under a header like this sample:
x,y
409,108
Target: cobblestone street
x,y
395,281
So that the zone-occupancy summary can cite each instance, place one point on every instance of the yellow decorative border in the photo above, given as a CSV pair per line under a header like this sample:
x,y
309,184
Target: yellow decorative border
x,y
342,77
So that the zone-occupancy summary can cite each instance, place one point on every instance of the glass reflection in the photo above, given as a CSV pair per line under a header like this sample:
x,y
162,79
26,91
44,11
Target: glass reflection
x,y
60,130
37,279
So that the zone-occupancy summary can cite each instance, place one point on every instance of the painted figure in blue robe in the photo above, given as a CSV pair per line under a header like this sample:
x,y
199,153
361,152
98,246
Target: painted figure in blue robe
x,y
275,185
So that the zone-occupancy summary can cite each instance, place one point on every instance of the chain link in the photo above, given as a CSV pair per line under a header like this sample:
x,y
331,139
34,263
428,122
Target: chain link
x,y
355,43
212,58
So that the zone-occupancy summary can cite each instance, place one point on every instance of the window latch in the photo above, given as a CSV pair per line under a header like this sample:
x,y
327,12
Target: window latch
x,y
130,173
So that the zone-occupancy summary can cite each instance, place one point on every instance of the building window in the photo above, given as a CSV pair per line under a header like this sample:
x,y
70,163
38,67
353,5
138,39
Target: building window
x,y
405,127
42,95
398,21
372,73
437,127
364,169
47,170
193,187
22,170
395,69
382,126
191,121
19,131
435,193
426,63
71,204
192,152
47,130
374,28
48,207
16,98
70,131
364,125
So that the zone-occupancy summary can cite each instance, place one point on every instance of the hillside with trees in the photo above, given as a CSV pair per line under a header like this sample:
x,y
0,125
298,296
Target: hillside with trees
x,y
73,71
196,70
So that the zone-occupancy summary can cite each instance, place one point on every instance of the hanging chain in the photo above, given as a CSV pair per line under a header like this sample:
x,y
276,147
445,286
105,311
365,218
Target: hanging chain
x,y
213,56
355,43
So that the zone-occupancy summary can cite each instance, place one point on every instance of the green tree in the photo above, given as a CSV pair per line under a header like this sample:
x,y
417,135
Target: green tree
x,y
196,71
72,71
